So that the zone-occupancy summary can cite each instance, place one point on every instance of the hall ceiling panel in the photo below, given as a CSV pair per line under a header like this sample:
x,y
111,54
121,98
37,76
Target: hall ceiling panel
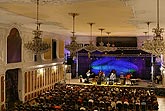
x,y
146,11
121,17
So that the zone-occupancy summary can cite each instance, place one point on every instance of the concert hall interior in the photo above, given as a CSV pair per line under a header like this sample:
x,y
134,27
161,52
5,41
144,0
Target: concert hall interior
x,y
82,55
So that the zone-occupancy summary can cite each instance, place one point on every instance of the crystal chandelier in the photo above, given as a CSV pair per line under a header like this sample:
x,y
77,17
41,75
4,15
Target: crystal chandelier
x,y
156,46
73,47
37,46
145,33
109,47
91,47
101,47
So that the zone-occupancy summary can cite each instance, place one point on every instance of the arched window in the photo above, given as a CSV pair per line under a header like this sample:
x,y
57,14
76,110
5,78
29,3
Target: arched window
x,y
14,43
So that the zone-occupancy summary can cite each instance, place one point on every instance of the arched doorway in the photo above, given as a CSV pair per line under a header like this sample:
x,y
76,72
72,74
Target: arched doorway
x,y
11,89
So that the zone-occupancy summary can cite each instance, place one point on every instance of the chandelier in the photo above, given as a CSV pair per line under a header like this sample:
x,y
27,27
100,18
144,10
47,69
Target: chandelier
x,y
101,47
156,46
145,33
37,46
91,47
109,47
73,47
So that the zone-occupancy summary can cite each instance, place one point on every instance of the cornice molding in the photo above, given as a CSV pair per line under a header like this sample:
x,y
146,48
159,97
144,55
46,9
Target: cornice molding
x,y
44,1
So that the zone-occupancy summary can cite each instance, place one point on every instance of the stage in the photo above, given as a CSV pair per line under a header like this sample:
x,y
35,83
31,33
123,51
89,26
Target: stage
x,y
139,83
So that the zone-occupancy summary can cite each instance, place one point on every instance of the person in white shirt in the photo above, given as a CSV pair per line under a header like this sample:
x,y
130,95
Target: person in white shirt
x,y
112,77
88,74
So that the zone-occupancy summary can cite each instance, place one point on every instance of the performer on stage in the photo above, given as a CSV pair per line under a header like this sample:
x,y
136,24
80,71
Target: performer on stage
x,y
112,76
101,77
128,79
88,74
101,74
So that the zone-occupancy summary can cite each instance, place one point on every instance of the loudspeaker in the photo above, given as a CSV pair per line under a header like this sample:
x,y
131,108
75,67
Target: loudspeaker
x,y
69,61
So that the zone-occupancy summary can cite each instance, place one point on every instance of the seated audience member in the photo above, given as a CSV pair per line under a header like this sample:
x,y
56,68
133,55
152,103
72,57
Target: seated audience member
x,y
143,105
119,105
137,105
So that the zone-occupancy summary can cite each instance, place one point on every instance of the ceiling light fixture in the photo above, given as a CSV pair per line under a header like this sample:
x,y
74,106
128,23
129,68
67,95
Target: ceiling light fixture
x,y
73,47
91,47
109,47
156,46
101,47
37,46
145,33
148,28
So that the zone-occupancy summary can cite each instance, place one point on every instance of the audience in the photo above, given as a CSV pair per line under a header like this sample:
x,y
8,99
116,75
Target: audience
x,y
93,98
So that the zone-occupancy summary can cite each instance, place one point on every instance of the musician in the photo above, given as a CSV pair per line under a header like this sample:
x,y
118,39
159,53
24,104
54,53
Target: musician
x,y
88,74
101,74
128,79
101,77
112,76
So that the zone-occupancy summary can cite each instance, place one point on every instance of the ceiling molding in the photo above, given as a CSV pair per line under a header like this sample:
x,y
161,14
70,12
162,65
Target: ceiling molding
x,y
57,2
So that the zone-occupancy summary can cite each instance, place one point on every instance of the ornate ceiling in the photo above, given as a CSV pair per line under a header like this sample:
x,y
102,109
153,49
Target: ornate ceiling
x,y
121,17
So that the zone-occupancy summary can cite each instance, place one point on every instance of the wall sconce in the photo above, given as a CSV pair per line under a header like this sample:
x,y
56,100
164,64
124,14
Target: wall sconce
x,y
54,69
40,72
66,66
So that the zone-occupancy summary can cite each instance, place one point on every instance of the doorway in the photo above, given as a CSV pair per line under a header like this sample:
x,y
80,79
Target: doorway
x,y
11,89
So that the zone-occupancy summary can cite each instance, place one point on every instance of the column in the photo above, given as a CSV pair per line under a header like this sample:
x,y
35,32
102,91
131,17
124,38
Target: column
x,y
163,69
152,69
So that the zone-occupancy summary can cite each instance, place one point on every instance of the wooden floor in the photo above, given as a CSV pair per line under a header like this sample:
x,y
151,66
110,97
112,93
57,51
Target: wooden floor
x,y
142,83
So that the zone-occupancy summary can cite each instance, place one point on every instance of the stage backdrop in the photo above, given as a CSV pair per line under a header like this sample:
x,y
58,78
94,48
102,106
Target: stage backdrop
x,y
140,67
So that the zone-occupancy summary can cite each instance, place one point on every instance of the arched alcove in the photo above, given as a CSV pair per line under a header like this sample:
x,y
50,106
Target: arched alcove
x,y
14,43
